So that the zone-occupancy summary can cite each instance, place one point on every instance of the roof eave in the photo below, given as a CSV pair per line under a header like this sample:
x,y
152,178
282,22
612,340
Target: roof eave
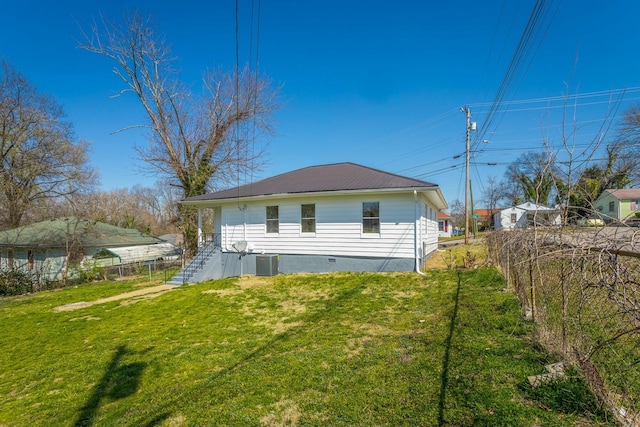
x,y
442,204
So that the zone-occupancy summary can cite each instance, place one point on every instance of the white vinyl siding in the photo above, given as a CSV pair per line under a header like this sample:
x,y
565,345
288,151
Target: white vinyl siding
x,y
338,227
510,218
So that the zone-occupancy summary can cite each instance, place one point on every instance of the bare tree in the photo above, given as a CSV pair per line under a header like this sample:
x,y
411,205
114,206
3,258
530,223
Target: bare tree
x,y
151,210
627,142
193,139
39,156
534,173
494,194
581,178
457,213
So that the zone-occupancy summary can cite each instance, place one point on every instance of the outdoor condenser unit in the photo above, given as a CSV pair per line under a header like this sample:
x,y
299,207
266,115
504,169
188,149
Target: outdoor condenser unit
x,y
267,265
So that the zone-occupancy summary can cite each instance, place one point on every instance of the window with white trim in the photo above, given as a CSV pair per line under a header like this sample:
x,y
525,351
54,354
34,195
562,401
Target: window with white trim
x,y
371,217
273,220
308,218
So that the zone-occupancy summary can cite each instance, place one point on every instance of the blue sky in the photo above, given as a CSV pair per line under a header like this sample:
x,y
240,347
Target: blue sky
x,y
378,83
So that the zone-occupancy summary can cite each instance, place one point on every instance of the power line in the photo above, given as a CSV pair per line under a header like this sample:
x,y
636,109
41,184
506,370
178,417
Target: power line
x,y
539,13
563,97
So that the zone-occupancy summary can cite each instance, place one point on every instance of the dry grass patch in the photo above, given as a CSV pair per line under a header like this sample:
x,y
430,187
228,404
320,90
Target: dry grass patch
x,y
355,346
250,281
222,292
472,255
286,412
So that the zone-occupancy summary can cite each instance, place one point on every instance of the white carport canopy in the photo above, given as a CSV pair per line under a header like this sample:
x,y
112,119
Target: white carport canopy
x,y
131,254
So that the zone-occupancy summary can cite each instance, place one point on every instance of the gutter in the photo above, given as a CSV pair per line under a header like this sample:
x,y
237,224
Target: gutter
x,y
259,197
415,233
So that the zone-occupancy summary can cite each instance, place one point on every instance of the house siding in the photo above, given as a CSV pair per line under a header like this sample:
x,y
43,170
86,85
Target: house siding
x,y
502,219
48,264
623,208
338,227
629,207
602,206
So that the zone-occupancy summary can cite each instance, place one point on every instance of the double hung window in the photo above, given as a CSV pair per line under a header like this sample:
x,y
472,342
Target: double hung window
x,y
371,217
273,220
308,218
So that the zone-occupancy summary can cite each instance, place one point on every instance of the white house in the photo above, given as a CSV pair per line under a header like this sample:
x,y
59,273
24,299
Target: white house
x,y
336,217
526,215
444,225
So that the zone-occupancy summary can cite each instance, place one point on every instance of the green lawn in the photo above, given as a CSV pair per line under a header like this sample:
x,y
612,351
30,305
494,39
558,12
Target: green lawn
x,y
350,349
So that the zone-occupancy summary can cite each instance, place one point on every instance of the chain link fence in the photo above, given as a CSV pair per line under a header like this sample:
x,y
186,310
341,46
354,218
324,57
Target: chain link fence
x,y
582,288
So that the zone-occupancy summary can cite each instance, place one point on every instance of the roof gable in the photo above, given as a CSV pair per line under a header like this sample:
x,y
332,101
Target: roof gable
x,y
57,233
485,212
624,193
530,206
314,179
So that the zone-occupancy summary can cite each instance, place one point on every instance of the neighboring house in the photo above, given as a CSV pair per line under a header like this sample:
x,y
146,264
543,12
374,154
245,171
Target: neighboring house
x,y
336,217
618,205
526,215
51,248
444,224
484,218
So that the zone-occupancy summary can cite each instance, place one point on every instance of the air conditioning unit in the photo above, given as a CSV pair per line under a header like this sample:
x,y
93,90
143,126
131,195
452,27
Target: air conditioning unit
x,y
267,265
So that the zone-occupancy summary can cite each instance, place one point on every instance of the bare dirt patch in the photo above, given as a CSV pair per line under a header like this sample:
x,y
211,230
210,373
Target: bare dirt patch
x,y
128,297
89,317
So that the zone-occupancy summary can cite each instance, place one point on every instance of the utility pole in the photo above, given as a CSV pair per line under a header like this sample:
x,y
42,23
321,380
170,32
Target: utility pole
x,y
466,181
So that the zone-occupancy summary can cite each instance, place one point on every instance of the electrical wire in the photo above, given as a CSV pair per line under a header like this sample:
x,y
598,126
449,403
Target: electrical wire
x,y
518,62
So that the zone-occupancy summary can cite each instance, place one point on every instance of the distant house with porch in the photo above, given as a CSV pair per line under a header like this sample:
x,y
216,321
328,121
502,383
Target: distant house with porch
x,y
526,215
50,249
336,217
444,224
618,204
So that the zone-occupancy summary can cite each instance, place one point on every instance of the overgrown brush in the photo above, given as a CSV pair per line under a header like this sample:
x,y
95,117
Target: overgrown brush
x,y
583,292
17,282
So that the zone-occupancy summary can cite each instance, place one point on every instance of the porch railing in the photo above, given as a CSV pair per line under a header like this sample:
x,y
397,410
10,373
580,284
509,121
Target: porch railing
x,y
197,263
210,239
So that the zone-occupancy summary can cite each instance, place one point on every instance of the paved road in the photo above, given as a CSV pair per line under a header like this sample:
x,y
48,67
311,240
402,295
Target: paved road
x,y
449,243
612,238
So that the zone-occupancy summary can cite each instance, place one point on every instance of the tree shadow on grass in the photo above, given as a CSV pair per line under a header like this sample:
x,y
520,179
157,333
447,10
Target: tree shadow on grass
x,y
444,376
118,381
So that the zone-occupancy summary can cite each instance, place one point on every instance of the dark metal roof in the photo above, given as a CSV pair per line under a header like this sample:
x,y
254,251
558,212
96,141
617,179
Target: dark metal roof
x,y
57,233
313,179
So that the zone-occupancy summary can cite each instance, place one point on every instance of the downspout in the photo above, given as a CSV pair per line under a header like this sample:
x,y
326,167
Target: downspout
x,y
244,223
200,239
415,233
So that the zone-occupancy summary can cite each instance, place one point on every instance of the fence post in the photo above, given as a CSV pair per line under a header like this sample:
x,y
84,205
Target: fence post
x,y
533,288
508,265
565,305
